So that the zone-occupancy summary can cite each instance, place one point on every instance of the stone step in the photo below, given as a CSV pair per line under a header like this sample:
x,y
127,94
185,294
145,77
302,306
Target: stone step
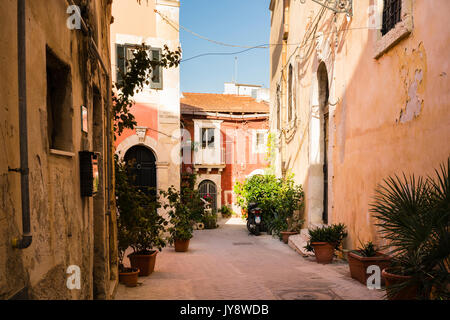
x,y
298,243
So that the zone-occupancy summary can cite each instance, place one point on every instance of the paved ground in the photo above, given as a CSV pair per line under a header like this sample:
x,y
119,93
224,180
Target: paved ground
x,y
228,264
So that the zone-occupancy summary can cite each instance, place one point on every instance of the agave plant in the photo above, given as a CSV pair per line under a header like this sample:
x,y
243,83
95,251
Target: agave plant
x,y
367,249
414,217
334,234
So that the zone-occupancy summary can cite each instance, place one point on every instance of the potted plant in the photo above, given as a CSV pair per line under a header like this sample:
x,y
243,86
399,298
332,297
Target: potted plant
x,y
325,240
226,212
181,227
294,226
414,217
210,220
141,226
147,235
366,255
127,276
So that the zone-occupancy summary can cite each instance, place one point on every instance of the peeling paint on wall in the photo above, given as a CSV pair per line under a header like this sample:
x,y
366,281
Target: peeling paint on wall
x,y
415,103
413,73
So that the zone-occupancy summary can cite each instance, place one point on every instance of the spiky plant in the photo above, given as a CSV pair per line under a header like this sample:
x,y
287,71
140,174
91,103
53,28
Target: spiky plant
x,y
333,234
413,216
367,249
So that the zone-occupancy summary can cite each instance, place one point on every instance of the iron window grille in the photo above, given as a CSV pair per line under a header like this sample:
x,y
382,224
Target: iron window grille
x,y
392,14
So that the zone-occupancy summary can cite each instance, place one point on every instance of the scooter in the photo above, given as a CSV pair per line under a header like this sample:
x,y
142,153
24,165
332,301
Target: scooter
x,y
254,219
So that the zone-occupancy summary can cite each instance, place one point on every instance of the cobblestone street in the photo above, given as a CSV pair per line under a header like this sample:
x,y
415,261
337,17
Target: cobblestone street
x,y
228,264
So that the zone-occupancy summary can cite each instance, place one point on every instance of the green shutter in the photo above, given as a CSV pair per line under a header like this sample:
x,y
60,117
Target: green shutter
x,y
156,82
120,61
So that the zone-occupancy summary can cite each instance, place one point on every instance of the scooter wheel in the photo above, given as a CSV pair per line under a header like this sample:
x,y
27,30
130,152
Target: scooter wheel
x,y
257,231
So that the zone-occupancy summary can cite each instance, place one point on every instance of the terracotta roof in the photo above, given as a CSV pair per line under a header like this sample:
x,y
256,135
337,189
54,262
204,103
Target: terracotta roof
x,y
211,102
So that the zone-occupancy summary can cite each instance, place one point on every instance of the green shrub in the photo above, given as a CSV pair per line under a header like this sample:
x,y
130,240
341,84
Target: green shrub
x,y
277,198
181,226
226,212
191,197
210,220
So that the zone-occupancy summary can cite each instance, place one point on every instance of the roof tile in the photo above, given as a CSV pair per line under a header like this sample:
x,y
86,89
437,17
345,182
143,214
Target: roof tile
x,y
211,102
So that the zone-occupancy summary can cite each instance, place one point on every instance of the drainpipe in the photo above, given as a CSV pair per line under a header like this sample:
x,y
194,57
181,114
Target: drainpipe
x,y
27,238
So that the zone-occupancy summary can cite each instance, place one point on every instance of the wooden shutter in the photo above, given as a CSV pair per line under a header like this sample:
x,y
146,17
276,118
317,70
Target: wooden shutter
x,y
157,72
120,61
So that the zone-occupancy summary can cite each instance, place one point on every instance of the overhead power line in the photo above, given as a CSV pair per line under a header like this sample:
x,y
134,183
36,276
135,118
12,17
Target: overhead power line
x,y
306,41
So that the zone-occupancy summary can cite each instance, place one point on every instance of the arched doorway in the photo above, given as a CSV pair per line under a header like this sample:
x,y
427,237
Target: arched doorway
x,y
208,187
324,94
142,171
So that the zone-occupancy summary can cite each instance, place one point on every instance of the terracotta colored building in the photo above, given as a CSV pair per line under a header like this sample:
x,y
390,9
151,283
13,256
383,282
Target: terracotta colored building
x,y
224,141
359,92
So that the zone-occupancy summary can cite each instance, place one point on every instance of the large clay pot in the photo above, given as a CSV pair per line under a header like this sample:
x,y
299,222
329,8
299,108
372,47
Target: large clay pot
x,y
143,262
408,293
359,264
129,277
182,245
286,235
323,251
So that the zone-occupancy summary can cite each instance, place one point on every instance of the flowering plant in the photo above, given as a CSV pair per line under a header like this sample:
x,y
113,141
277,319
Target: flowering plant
x,y
208,198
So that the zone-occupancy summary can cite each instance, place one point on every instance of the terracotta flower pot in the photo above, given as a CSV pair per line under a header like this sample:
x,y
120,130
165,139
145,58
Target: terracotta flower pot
x,y
323,251
129,277
286,235
407,293
181,245
359,264
143,262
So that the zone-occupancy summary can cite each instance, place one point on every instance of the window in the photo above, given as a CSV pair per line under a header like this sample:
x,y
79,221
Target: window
x,y
208,138
395,23
125,53
260,141
59,103
391,15
156,75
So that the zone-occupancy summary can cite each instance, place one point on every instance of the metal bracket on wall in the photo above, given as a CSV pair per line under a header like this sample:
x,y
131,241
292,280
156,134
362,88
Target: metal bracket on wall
x,y
19,170
337,6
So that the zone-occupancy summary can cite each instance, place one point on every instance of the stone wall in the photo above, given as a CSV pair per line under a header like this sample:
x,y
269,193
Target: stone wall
x,y
62,222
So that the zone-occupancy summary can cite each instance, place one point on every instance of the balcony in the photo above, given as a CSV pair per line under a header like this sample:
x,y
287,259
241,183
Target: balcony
x,y
210,160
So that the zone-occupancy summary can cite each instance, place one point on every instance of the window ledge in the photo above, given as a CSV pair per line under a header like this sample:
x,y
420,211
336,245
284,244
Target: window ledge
x,y
61,153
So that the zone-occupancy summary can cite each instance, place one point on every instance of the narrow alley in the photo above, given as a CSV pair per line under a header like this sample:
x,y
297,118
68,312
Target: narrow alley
x,y
228,264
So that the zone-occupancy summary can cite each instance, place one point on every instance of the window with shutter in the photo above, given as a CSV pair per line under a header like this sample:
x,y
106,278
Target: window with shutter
x,y
156,75
124,54
121,62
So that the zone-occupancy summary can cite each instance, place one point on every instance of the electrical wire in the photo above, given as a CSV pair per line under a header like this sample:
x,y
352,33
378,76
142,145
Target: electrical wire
x,y
306,40
175,24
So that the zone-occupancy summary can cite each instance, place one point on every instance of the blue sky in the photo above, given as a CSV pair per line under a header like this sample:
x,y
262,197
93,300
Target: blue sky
x,y
241,22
